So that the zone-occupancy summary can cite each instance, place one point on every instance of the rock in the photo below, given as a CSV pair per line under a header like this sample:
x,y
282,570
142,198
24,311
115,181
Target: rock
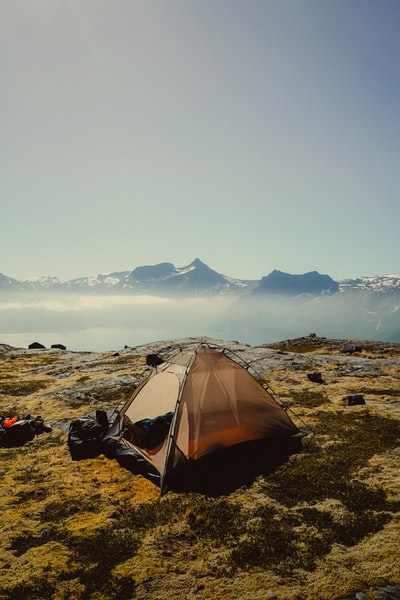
x,y
350,348
59,346
36,346
388,592
316,377
392,592
353,399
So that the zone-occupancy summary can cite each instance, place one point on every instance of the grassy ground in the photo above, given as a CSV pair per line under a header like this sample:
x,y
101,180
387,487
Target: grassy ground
x,y
321,526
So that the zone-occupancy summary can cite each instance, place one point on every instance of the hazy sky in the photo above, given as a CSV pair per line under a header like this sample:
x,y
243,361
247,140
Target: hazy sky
x,y
253,134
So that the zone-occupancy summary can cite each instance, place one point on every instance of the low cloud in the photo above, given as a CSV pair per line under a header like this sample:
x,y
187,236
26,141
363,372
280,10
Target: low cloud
x,y
89,322
81,303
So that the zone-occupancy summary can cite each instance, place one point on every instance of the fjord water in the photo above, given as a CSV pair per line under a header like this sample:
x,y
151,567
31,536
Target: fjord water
x,y
105,323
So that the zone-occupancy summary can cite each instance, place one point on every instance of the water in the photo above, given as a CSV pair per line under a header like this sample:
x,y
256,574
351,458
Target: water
x,y
105,323
108,323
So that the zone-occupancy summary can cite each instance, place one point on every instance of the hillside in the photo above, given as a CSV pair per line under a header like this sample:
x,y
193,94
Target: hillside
x,y
324,526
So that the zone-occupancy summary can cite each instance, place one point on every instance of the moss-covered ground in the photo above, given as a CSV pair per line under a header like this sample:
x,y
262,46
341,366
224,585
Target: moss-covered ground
x,y
321,526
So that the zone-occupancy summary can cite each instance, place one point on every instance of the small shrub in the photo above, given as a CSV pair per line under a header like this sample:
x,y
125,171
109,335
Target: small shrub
x,y
22,387
119,588
363,434
323,520
35,589
328,472
27,476
62,508
356,496
358,525
213,518
269,542
98,554
309,399
380,392
28,539
146,516
106,547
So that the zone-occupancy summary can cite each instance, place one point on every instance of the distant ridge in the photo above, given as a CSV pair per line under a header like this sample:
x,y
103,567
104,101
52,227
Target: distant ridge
x,y
198,279
285,284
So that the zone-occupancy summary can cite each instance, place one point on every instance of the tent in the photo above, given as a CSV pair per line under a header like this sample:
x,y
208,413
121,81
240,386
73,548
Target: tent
x,y
194,408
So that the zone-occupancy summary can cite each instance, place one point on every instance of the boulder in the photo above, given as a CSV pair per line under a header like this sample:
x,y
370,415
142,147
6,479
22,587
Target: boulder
x,y
316,377
36,346
353,399
350,348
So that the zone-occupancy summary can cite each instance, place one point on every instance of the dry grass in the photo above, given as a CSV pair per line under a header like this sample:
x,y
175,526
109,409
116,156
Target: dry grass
x,y
320,527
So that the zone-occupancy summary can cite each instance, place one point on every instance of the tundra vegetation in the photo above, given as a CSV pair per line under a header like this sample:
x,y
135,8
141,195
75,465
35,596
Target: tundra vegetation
x,y
322,526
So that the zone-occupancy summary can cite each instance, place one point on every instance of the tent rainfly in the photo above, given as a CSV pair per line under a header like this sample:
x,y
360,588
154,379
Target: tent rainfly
x,y
193,406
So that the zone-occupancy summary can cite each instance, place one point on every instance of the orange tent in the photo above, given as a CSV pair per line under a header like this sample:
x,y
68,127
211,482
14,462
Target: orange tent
x,y
206,402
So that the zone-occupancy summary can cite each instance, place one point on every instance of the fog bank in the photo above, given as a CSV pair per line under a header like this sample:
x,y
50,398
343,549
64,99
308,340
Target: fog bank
x,y
104,323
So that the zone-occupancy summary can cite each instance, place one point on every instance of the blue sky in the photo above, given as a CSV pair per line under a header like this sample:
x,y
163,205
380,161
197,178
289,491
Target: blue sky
x,y
253,134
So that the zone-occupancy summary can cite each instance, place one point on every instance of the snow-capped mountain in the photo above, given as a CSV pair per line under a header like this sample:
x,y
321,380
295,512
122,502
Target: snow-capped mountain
x,y
8,283
42,282
198,279
285,284
163,279
385,284
195,279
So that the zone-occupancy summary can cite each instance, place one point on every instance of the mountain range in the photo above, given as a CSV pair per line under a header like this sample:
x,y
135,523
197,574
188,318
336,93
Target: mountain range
x,y
198,279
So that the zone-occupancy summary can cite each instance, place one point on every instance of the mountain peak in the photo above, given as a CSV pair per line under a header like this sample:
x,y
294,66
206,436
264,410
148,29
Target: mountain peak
x,y
311,283
198,263
153,271
198,279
